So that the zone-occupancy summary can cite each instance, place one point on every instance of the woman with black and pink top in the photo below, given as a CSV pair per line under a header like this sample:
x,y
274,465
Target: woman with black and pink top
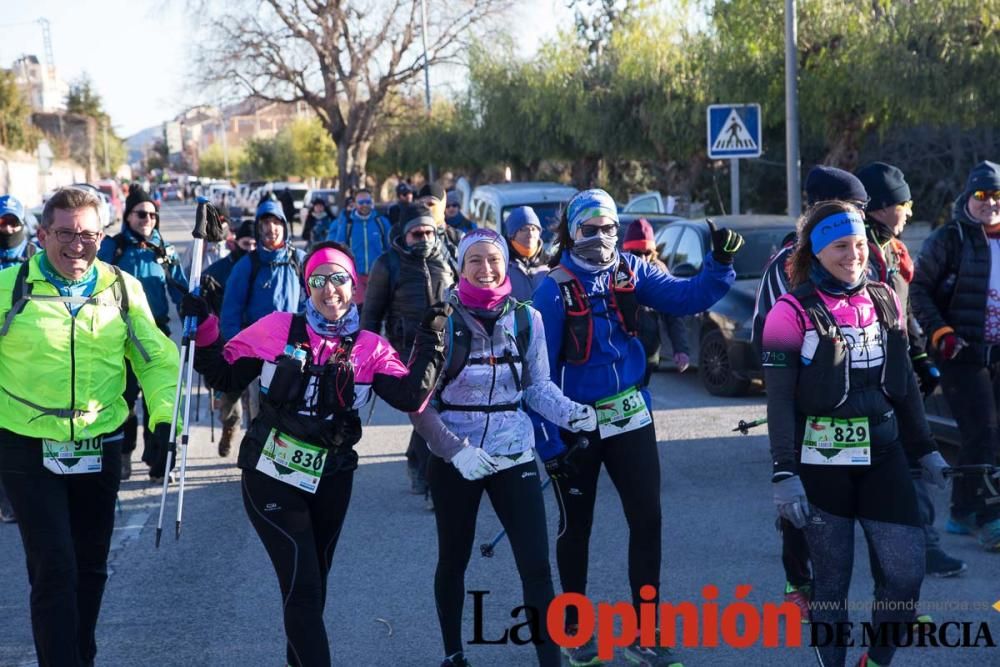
x,y
298,460
844,414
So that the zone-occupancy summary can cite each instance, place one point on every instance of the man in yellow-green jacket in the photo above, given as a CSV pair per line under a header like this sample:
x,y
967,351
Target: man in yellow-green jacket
x,y
67,325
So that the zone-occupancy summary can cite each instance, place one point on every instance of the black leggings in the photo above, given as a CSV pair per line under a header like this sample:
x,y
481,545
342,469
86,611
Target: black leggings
x,y
634,467
882,499
516,495
300,531
66,522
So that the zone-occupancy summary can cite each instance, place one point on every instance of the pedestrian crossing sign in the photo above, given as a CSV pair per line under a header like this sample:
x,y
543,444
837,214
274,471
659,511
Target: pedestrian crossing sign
x,y
733,131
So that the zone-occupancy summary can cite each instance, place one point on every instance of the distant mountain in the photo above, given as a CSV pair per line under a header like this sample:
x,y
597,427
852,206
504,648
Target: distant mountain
x,y
142,140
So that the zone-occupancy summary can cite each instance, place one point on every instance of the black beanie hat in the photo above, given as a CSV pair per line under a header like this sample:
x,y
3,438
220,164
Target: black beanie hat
x,y
136,196
433,190
984,176
247,229
884,184
415,216
826,183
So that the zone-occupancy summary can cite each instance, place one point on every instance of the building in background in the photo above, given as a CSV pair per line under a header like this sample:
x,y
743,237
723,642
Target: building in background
x,y
42,87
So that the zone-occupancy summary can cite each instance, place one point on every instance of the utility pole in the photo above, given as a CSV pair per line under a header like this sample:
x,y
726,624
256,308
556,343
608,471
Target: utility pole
x,y
225,146
107,159
427,74
793,164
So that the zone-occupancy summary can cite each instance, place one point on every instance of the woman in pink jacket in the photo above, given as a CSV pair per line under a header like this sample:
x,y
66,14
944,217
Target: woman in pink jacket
x,y
317,369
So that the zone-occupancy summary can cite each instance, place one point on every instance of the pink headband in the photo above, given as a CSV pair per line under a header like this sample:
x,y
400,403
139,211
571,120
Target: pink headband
x,y
332,256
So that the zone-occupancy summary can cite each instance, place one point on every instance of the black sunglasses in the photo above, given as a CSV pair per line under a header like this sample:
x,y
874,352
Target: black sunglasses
x,y
142,215
590,231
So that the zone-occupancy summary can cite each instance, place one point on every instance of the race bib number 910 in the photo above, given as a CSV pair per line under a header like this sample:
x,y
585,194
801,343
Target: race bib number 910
x,y
72,458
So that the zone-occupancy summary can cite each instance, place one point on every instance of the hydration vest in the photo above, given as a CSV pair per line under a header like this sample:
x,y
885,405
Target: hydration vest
x,y
460,356
578,329
311,402
824,383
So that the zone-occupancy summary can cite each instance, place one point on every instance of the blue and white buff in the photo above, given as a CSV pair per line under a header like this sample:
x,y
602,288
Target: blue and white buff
x,y
836,226
587,205
348,324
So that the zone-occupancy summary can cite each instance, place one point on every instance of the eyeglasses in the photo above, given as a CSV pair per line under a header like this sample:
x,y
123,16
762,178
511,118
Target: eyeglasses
x,y
318,280
984,195
426,234
451,205
906,205
142,215
10,221
66,236
364,202
590,231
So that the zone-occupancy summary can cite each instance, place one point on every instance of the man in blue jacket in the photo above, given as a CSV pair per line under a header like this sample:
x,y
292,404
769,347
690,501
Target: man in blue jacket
x,y
140,250
15,247
366,233
263,281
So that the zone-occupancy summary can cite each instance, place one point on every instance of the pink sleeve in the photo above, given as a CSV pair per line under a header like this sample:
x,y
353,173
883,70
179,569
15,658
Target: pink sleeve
x,y
264,339
785,326
373,354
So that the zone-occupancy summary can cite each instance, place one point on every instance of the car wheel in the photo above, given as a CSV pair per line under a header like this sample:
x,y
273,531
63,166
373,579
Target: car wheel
x,y
714,369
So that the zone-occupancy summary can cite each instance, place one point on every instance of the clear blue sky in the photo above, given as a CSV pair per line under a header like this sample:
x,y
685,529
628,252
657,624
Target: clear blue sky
x,y
137,52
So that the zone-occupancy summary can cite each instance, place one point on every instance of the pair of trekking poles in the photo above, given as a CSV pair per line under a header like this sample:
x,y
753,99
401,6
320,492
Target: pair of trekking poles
x,y
208,227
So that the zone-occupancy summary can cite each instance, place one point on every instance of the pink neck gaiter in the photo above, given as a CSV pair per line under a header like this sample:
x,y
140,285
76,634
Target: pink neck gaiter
x,y
484,298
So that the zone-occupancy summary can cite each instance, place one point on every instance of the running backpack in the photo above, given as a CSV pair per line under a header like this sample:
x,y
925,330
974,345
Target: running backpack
x,y
824,383
578,333
460,348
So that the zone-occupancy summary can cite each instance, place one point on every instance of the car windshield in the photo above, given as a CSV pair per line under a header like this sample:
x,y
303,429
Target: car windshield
x,y
760,245
548,214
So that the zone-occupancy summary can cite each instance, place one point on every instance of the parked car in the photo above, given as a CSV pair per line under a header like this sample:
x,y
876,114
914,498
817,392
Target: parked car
x,y
720,336
107,214
298,191
489,205
113,192
172,193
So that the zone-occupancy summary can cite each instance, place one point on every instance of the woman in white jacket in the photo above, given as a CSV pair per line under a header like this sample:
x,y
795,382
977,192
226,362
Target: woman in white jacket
x,y
482,439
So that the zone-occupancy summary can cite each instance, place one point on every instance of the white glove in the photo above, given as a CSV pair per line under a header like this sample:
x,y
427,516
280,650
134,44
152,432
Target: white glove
x,y
473,463
583,418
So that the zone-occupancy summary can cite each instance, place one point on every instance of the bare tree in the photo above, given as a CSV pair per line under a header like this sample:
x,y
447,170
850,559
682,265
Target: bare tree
x,y
344,59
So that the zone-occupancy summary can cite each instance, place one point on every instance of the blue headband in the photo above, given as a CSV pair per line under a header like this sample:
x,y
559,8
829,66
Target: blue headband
x,y
836,226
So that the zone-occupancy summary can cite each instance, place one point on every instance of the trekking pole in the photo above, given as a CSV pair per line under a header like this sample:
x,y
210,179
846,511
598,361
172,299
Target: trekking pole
x,y
486,548
371,410
745,426
211,415
206,226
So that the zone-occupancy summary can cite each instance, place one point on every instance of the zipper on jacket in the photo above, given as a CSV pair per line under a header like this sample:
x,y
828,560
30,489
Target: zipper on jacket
x,y
489,400
72,374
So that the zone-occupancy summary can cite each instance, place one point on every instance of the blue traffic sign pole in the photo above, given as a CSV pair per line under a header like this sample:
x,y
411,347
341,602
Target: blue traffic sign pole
x,y
734,186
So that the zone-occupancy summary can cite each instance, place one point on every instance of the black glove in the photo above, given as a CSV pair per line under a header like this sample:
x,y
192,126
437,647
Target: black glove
x,y
725,243
928,376
436,317
559,466
194,306
157,459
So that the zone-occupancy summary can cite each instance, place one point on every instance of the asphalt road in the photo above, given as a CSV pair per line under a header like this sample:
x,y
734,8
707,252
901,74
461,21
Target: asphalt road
x,y
211,598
